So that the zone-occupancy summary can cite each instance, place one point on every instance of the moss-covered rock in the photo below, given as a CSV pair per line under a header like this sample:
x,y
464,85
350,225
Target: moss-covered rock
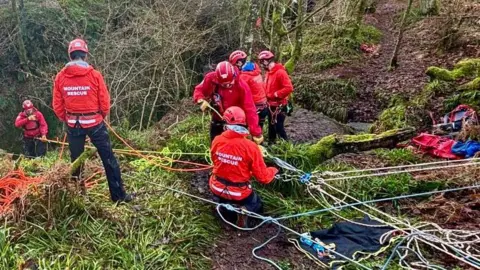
x,y
472,85
464,69
436,73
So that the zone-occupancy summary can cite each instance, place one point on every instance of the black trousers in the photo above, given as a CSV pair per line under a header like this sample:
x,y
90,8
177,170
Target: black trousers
x,y
216,128
99,137
276,123
34,148
252,203
262,115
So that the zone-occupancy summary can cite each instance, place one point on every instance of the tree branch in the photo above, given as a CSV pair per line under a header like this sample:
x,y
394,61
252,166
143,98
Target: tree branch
x,y
309,17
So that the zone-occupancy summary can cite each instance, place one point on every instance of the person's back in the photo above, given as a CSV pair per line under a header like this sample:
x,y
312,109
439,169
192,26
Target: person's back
x,y
252,75
81,95
81,99
235,161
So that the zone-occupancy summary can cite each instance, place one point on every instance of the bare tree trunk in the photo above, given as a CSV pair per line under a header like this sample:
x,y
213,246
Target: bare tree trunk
x,y
22,52
247,39
297,48
393,61
359,17
429,7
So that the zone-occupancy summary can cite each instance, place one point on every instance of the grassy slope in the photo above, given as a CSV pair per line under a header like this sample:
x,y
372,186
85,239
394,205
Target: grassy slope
x,y
164,230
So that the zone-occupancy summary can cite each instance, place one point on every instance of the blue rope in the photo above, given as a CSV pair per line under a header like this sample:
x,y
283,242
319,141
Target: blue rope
x,y
393,253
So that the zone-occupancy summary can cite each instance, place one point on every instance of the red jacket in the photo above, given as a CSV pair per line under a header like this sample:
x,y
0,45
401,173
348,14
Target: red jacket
x,y
257,86
278,85
32,128
237,159
80,92
239,95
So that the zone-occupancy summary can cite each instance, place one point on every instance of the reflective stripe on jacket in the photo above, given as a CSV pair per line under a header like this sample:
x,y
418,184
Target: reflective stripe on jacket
x,y
237,159
80,93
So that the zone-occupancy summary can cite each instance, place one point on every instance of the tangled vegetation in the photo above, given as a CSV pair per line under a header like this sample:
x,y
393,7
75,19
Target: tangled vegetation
x,y
60,228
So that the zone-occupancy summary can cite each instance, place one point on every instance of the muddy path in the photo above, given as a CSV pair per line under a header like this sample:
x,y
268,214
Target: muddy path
x,y
376,83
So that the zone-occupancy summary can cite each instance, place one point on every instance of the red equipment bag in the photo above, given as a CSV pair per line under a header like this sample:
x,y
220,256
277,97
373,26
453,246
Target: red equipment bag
x,y
435,145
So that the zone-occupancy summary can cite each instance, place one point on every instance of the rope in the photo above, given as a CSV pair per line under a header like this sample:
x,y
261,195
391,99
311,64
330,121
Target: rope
x,y
399,167
255,215
149,158
376,201
398,172
63,146
426,236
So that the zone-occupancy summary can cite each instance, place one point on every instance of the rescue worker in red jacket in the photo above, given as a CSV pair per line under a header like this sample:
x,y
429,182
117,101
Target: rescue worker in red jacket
x,y
82,101
235,161
278,87
223,89
252,75
35,130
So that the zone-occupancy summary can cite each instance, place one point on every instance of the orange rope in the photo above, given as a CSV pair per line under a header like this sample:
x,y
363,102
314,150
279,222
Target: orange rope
x,y
15,185
159,165
63,146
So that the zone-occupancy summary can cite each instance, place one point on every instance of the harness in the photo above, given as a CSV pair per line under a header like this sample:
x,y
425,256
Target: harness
x,y
37,126
229,183
217,100
261,107
78,115
278,110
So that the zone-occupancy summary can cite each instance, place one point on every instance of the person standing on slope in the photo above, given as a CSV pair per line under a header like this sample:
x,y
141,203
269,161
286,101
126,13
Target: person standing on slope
x,y
252,75
35,130
235,161
81,99
278,87
223,89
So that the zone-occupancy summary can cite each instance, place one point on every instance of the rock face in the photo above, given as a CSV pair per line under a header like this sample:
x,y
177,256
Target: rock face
x,y
306,126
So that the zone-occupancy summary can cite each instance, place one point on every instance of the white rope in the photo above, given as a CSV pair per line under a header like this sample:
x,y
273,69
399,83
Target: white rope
x,y
398,172
397,167
425,238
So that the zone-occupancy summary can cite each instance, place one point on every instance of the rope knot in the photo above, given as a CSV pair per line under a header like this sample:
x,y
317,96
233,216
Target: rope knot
x,y
304,179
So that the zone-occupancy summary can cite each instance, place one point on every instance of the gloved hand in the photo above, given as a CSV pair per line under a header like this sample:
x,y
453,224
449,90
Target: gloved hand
x,y
263,151
258,139
203,104
43,138
32,117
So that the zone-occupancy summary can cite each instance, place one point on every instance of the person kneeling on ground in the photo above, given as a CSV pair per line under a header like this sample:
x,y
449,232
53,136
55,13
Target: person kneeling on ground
x,y
235,160
82,101
35,130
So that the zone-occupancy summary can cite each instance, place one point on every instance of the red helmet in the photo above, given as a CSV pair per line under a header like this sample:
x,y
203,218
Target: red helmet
x,y
225,73
27,104
235,56
265,55
77,45
235,116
